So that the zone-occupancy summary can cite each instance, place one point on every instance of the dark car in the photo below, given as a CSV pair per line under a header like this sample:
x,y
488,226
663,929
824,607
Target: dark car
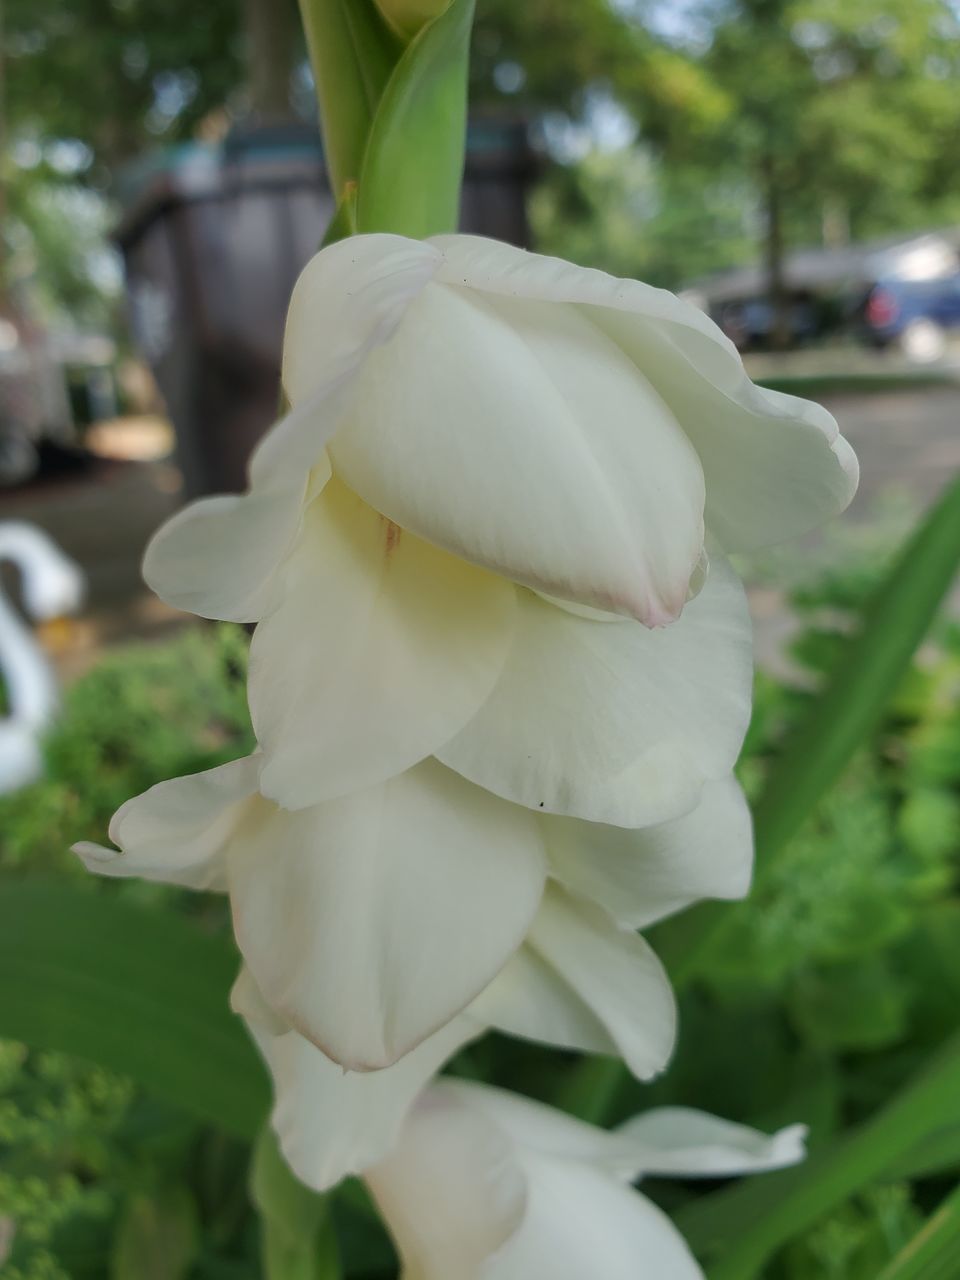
x,y
914,315
749,322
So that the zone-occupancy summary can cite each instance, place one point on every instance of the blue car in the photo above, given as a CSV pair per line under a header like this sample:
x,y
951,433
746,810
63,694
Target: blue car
x,y
913,315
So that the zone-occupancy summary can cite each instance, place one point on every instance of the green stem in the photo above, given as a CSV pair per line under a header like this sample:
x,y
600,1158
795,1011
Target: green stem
x,y
394,114
297,1234
352,52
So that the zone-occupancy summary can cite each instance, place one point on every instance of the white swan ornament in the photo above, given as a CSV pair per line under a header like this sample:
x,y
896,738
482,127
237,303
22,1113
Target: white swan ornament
x,y
52,585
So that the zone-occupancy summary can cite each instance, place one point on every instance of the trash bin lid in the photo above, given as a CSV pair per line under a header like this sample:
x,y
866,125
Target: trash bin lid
x,y
191,171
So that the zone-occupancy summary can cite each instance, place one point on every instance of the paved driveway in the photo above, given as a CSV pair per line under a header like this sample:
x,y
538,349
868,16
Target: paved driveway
x,y
907,439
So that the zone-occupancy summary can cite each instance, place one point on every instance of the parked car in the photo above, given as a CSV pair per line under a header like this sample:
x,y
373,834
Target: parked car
x,y
913,315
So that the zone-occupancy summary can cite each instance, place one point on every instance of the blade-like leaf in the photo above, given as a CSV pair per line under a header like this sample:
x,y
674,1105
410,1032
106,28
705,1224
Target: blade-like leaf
x,y
142,992
744,1225
297,1232
413,166
847,710
352,52
937,1153
934,1252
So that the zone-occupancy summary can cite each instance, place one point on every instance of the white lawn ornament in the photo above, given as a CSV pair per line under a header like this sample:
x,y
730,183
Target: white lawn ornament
x,y
52,585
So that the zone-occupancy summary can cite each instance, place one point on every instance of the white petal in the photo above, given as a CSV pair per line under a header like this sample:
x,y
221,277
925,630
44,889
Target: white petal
x,y
333,1123
451,1192
219,556
177,831
644,875
597,987
517,435
530,999
370,920
381,648
349,299
582,1223
775,465
610,721
683,1143
545,1130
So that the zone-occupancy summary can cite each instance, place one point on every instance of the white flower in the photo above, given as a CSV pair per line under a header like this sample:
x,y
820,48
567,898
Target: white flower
x,y
498,473
486,1185
369,922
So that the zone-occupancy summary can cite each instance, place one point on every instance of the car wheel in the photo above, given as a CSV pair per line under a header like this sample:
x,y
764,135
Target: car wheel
x,y
923,341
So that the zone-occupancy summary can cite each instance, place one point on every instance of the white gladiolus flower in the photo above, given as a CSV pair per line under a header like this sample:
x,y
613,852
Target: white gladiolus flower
x,y
486,1185
499,472
369,922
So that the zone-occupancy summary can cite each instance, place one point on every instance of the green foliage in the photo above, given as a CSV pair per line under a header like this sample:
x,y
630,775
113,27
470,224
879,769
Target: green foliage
x,y
59,1119
790,121
82,1155
172,64
854,1243
626,214
842,973
142,715
932,1253
55,232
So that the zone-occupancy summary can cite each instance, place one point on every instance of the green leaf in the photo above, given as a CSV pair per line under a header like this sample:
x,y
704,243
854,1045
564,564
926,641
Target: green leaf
x,y
413,166
297,1232
142,992
590,1090
936,1153
934,1252
158,1237
352,52
847,710
746,1224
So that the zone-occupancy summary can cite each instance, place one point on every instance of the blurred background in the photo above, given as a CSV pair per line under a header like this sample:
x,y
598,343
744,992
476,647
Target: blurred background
x,y
791,166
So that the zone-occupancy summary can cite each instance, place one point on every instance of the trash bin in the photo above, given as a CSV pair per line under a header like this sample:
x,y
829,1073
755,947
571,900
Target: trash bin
x,y
213,239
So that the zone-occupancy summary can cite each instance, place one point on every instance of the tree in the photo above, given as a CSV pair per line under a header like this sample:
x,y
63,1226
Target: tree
x,y
121,75
835,111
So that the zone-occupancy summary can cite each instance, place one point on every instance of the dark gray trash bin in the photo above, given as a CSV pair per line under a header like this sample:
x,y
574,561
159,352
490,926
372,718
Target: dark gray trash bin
x,y
213,239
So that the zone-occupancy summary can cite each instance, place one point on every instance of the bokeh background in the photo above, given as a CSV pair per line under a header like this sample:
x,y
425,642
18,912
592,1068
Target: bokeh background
x,y
792,167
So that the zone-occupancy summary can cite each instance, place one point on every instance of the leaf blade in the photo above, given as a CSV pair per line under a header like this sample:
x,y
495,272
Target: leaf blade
x,y
934,1252
141,992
